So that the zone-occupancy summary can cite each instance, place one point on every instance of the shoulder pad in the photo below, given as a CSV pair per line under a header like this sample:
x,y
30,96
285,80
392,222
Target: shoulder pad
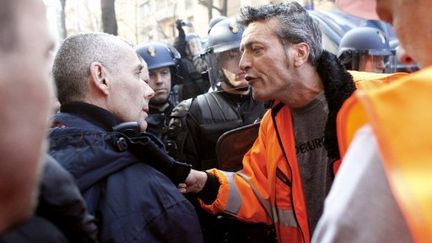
x,y
182,108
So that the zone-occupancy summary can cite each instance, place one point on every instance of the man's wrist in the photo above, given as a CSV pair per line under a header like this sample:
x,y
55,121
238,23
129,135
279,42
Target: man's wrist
x,y
208,193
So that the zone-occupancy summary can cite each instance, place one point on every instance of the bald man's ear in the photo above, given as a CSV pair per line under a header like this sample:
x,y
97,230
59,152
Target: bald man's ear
x,y
301,56
98,77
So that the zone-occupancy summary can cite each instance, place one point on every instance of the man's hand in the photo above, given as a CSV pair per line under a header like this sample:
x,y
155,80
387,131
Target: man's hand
x,y
194,182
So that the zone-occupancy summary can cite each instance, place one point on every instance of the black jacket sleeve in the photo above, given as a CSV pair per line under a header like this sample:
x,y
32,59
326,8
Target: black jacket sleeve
x,y
36,229
60,202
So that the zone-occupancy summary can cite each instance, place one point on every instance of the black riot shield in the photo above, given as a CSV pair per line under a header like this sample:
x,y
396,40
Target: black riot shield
x,y
233,144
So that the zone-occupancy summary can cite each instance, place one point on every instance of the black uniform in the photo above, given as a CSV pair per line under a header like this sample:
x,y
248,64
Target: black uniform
x,y
158,119
204,119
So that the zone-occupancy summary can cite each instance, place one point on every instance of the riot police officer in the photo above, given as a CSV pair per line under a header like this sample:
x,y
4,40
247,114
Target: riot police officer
x,y
161,60
196,124
366,49
191,66
209,115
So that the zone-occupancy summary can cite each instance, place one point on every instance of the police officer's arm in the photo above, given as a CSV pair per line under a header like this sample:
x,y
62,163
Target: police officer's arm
x,y
192,141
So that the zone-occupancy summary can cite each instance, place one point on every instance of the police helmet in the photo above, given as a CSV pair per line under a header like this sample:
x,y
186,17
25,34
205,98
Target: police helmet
x,y
214,21
224,36
158,54
366,49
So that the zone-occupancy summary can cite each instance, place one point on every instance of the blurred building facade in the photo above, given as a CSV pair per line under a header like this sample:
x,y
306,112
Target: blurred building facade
x,y
144,20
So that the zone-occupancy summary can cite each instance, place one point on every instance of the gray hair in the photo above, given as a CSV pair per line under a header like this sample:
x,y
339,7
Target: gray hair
x,y
295,25
72,62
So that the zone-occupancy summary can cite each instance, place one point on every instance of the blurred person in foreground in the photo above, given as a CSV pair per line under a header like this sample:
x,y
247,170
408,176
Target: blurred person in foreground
x,y
25,97
102,86
383,191
61,214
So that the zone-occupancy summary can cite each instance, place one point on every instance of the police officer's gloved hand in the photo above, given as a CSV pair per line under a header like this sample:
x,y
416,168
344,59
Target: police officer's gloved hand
x,y
179,25
180,42
151,151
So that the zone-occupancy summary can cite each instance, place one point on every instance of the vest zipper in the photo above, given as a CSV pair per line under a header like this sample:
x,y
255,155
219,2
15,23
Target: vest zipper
x,y
275,110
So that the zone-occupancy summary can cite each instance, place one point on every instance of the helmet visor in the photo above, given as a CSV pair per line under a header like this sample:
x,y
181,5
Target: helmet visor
x,y
224,67
375,61
194,46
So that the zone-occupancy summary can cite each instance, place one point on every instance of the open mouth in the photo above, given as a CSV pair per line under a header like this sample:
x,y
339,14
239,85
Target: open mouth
x,y
249,79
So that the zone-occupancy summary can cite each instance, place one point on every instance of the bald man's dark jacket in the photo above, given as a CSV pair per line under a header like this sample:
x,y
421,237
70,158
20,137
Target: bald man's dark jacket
x,y
132,201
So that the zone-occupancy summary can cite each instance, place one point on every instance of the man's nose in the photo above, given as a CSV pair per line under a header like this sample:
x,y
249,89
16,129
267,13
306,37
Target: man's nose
x,y
244,63
158,78
148,91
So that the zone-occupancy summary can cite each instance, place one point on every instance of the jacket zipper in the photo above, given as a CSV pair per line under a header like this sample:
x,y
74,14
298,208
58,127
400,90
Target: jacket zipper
x,y
275,110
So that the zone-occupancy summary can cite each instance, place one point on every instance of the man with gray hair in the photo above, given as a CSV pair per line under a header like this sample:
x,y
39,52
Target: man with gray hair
x,y
104,94
25,105
290,167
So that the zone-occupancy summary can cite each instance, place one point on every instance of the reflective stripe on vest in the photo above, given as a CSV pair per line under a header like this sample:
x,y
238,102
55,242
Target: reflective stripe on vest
x,y
284,217
264,203
234,199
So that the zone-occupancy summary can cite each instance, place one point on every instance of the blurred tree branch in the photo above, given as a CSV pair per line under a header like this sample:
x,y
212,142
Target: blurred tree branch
x,y
210,6
63,18
109,20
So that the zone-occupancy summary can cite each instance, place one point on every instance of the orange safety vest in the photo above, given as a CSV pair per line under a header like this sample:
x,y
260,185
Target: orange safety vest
x,y
402,123
268,189
351,115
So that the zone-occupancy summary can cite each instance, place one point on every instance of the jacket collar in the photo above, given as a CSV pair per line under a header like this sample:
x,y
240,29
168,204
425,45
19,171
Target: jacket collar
x,y
94,114
338,86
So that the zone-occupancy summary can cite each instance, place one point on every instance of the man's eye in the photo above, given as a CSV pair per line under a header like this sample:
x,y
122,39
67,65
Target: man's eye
x,y
256,50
